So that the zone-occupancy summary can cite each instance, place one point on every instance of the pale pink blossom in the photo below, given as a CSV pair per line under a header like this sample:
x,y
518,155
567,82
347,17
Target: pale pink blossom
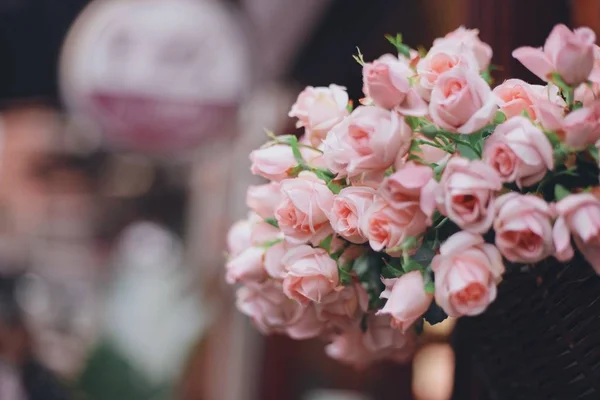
x,y
303,214
523,228
442,57
311,274
467,271
386,81
273,312
579,217
248,266
465,194
519,152
404,187
369,140
569,53
582,127
407,299
348,212
516,96
238,237
462,101
264,199
469,39
343,309
277,161
387,227
318,109
380,342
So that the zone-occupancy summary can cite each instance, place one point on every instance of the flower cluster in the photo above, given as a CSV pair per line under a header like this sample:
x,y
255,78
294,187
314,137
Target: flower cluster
x,y
410,207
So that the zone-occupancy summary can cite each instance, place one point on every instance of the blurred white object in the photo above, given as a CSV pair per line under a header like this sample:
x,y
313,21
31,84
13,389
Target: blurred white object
x,y
329,394
152,316
157,75
433,372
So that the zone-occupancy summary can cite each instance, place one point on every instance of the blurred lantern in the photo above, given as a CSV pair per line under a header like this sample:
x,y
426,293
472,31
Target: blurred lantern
x,y
157,76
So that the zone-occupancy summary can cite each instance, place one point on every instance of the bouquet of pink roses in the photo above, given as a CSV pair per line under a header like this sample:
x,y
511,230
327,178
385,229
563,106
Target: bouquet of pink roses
x,y
409,207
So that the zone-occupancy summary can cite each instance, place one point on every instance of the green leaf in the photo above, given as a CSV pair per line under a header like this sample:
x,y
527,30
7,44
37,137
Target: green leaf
x,y
413,122
499,118
412,265
487,76
525,114
467,152
334,187
272,221
272,242
390,272
435,314
560,192
359,57
424,254
396,41
577,105
438,170
349,106
429,130
430,287
326,243
345,276
323,173
594,152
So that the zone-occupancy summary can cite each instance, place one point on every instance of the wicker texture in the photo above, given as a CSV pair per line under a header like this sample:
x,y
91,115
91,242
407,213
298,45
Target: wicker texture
x,y
540,339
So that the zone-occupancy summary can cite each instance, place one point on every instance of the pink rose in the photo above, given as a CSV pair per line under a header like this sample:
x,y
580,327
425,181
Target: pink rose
x,y
469,39
582,127
465,194
466,273
569,53
303,214
588,94
550,115
404,187
380,342
307,325
319,109
311,274
462,101
516,96
273,312
238,237
407,300
386,82
344,309
388,227
263,233
272,260
247,266
264,199
273,162
442,57
368,140
578,215
348,211
519,152
523,228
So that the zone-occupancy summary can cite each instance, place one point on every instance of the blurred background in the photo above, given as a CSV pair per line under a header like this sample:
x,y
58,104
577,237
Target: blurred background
x,y
125,127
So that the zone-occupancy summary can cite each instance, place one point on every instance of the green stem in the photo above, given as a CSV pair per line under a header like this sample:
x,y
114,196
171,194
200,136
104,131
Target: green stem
x,y
570,97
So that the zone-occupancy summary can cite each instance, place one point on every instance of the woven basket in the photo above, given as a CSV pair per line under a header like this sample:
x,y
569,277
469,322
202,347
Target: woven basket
x,y
540,339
